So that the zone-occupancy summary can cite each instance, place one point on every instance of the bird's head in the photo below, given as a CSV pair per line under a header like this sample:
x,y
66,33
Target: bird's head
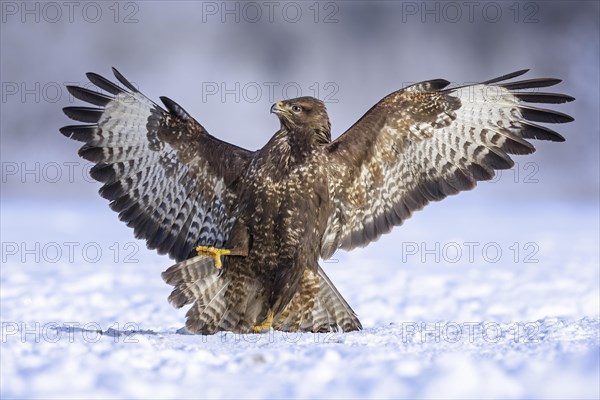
x,y
306,114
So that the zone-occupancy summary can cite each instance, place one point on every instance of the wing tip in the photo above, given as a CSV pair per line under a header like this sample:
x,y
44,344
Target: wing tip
x,y
545,115
104,83
123,80
83,114
560,138
174,108
65,130
506,76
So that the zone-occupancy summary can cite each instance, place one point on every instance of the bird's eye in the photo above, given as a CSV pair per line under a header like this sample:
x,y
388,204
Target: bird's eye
x,y
296,109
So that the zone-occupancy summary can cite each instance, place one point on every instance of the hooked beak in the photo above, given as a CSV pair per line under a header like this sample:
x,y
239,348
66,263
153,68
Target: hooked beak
x,y
277,108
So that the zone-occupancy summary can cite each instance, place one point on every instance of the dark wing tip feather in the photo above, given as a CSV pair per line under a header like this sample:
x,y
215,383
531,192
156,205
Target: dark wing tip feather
x,y
506,77
539,97
81,133
480,172
531,83
90,96
104,83
91,153
67,130
124,81
544,115
514,144
175,109
103,172
121,204
83,114
130,214
529,130
111,191
497,159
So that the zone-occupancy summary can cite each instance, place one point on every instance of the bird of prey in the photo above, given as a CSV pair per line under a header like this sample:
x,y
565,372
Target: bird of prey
x,y
247,228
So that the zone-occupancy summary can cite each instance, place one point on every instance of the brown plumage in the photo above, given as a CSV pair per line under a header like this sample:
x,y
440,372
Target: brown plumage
x,y
301,196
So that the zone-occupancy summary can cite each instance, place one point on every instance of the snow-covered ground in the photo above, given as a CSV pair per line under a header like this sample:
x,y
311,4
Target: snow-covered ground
x,y
465,301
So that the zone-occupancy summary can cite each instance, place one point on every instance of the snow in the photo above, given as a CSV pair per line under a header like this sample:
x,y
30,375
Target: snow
x,y
78,325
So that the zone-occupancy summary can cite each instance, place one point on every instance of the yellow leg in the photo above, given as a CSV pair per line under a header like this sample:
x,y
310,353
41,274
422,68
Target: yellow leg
x,y
265,325
214,253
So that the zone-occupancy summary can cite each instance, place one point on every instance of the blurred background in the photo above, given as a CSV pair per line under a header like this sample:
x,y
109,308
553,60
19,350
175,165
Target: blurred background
x,y
227,62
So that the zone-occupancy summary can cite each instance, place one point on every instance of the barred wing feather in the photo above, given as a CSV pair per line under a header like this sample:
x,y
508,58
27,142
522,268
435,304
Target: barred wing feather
x,y
168,179
426,142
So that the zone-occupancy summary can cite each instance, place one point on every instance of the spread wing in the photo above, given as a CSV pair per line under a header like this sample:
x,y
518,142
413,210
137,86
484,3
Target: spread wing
x,y
168,179
425,142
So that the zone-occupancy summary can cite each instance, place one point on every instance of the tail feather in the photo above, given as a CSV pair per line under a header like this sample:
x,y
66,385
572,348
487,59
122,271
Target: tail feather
x,y
197,281
317,307
222,301
297,315
202,291
334,306
321,319
190,270
205,316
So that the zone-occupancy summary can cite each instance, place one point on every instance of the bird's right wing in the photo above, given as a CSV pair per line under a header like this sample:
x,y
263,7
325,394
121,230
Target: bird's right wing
x,y
164,174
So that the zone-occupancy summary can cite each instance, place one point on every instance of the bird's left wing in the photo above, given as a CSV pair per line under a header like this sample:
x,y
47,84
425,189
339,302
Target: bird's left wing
x,y
163,173
425,142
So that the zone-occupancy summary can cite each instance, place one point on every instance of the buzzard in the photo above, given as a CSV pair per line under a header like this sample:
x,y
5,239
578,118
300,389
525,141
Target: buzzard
x,y
247,228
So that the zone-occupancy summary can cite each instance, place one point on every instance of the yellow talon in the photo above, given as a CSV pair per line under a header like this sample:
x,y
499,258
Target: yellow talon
x,y
265,325
214,253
